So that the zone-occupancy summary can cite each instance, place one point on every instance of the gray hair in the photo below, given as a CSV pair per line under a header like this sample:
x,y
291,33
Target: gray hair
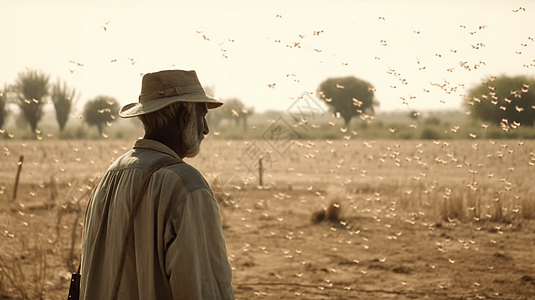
x,y
161,117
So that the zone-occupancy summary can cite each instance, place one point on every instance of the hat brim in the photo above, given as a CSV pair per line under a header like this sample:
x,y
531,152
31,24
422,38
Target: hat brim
x,y
136,109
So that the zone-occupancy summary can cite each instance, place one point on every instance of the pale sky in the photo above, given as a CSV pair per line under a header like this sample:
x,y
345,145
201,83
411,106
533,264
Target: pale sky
x,y
387,43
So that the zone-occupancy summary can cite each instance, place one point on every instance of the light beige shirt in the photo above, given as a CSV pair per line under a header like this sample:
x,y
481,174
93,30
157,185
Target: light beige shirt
x,y
177,249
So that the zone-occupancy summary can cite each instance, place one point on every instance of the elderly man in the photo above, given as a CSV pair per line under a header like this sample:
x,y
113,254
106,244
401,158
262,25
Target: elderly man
x,y
174,246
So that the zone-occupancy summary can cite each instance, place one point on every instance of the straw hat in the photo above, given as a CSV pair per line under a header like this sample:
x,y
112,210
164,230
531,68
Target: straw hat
x,y
163,88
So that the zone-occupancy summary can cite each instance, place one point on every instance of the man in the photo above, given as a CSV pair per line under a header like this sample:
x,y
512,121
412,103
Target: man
x,y
176,249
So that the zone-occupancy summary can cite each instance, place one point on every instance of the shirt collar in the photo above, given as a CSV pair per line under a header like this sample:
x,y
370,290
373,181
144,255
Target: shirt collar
x,y
154,145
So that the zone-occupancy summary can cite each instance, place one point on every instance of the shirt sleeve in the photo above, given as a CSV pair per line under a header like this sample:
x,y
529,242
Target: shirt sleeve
x,y
196,259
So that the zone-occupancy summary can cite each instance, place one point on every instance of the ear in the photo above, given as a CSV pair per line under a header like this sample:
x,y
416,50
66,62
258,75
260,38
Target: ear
x,y
182,118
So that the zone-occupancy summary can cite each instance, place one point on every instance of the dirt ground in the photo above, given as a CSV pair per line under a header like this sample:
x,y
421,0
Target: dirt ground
x,y
384,247
277,252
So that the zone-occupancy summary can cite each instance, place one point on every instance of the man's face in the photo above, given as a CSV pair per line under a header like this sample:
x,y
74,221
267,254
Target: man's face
x,y
196,129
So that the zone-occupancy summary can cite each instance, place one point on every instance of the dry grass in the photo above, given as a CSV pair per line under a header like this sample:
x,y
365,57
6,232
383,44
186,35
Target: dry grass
x,y
468,180
41,229
19,280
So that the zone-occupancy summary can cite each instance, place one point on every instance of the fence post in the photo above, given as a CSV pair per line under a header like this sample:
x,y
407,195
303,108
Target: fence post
x,y
21,159
260,170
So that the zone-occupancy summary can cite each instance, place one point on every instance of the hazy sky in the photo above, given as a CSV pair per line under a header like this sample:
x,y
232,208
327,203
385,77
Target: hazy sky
x,y
241,47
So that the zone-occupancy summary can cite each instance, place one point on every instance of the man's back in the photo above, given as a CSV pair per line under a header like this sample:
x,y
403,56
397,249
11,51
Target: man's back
x,y
176,250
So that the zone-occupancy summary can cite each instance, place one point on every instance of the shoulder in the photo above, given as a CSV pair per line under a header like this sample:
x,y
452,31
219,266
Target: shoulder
x,y
186,176
180,175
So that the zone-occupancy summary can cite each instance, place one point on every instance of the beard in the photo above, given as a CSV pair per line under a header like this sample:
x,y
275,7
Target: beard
x,y
191,138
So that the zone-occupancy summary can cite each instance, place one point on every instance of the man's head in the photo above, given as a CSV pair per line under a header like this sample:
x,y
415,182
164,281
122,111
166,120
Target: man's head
x,y
172,106
182,126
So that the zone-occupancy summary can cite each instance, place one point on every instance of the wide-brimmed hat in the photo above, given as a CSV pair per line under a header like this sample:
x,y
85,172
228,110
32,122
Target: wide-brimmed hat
x,y
160,89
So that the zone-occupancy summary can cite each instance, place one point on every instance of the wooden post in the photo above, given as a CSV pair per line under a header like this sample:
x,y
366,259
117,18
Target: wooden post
x,y
260,170
21,159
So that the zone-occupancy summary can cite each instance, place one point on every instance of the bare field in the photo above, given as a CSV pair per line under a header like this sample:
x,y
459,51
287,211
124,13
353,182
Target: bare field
x,y
416,219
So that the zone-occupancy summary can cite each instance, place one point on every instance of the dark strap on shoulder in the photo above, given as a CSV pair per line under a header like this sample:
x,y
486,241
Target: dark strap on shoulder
x,y
135,205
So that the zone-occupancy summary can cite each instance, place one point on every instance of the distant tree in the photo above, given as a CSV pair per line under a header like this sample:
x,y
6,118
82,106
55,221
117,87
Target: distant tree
x,y
232,110
31,88
235,110
63,99
245,114
348,96
503,101
3,110
101,111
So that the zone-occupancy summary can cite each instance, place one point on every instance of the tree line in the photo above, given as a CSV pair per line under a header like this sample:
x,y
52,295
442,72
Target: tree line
x,y
504,101
32,90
